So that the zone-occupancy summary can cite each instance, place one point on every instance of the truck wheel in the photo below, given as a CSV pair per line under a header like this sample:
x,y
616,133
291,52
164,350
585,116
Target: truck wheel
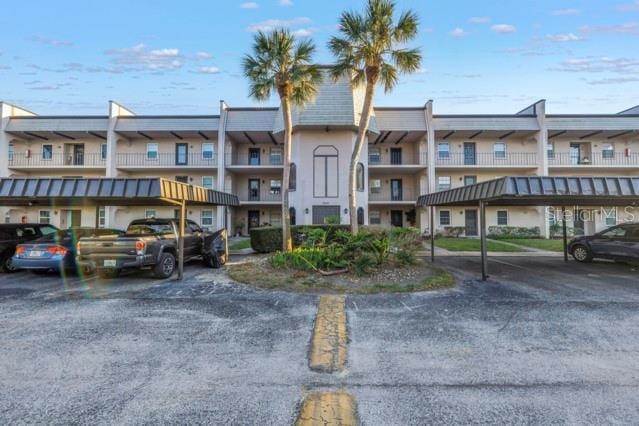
x,y
108,273
165,267
6,264
212,262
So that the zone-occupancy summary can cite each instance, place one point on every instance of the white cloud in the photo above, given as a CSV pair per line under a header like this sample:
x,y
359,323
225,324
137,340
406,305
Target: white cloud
x,y
50,42
203,55
599,64
629,7
208,70
563,38
286,3
271,24
629,28
565,12
479,20
503,28
249,5
139,57
614,80
303,32
457,32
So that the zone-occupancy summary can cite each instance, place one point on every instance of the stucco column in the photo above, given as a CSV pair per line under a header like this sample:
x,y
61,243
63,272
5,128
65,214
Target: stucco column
x,y
115,111
428,181
4,141
542,159
221,217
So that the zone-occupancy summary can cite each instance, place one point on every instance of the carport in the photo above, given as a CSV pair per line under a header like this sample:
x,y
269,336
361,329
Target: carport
x,y
533,191
102,192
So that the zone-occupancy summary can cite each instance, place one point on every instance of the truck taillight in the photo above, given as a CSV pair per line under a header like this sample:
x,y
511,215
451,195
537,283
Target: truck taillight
x,y
139,247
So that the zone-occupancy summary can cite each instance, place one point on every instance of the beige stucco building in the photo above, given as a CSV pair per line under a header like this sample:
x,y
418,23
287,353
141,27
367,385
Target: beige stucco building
x,y
411,151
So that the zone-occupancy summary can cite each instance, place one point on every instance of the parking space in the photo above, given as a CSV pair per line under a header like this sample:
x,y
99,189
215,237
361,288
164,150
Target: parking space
x,y
540,342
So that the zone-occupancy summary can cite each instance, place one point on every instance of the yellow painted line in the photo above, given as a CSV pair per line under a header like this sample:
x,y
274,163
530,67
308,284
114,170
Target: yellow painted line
x,y
329,341
328,408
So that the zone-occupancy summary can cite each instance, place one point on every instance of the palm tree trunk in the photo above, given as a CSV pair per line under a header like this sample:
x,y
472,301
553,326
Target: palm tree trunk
x,y
362,131
287,242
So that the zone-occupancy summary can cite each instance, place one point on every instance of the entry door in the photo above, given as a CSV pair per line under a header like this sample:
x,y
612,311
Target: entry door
x,y
396,156
397,190
471,223
254,156
254,190
181,154
322,213
78,155
253,219
469,153
575,153
397,218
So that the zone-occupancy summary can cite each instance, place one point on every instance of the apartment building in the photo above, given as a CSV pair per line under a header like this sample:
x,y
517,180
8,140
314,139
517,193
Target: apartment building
x,y
411,151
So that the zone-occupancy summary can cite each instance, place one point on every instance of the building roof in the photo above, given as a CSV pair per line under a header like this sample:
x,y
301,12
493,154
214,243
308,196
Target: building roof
x,y
541,191
61,192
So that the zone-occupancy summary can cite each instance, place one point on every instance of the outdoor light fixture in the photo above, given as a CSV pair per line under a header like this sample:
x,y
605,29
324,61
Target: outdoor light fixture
x,y
306,210
345,211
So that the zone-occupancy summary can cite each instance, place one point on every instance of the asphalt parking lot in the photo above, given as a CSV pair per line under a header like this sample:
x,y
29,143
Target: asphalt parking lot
x,y
540,342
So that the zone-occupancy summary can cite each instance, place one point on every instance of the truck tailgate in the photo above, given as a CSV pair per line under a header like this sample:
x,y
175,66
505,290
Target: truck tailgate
x,y
122,245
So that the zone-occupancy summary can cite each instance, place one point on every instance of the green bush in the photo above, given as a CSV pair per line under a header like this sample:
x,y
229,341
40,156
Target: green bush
x,y
363,264
510,232
405,257
269,239
451,232
406,238
305,259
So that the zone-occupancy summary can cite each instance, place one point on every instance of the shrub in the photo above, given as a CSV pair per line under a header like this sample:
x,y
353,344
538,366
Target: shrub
x,y
325,258
405,257
363,264
406,238
451,232
497,232
380,249
269,239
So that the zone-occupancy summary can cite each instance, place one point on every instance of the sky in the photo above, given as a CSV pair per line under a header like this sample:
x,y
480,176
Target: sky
x,y
166,57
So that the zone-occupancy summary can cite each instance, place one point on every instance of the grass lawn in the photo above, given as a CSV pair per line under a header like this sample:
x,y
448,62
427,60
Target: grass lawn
x,y
550,245
239,245
470,244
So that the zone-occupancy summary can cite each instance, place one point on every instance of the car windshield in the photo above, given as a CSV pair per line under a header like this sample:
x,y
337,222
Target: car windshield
x,y
149,229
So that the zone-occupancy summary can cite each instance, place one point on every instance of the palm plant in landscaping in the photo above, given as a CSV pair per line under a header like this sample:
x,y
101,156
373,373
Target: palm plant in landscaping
x,y
371,50
280,62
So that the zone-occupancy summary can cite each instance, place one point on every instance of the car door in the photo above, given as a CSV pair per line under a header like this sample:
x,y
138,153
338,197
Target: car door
x,y
193,242
609,243
631,243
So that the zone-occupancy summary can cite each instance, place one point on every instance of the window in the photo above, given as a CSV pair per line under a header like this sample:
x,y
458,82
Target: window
x,y
183,179
360,215
151,151
470,180
47,152
207,182
443,183
276,219
550,149
325,172
206,219
374,156
608,151
500,150
374,218
103,151
443,150
291,213
552,216
618,232
502,217
360,177
207,151
376,186
444,217
101,217
44,216
276,156
610,216
276,186
11,151
149,213
292,179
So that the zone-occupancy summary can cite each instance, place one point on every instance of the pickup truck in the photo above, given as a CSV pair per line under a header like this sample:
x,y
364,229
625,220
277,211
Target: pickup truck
x,y
152,244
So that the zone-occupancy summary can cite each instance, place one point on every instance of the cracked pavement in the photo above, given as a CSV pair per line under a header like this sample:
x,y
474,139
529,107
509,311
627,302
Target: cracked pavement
x,y
541,342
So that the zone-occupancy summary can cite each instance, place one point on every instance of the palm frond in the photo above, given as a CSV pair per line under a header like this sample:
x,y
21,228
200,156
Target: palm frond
x,y
388,77
407,60
406,28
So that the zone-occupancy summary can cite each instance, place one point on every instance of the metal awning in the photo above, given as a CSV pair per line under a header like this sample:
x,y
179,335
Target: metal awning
x,y
533,191
540,191
107,192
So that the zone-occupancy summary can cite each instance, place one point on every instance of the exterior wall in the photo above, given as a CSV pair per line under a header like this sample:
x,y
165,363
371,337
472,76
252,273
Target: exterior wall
x,y
517,216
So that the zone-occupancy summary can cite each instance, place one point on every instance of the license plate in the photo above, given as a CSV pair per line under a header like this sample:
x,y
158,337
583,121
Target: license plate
x,y
109,263
35,253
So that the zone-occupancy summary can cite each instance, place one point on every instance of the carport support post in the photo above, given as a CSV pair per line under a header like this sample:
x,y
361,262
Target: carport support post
x,y
482,226
432,233
565,232
181,240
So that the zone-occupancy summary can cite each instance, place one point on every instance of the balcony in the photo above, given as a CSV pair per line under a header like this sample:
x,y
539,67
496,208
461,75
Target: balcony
x,y
403,196
244,163
487,160
144,161
56,161
601,160
405,162
260,198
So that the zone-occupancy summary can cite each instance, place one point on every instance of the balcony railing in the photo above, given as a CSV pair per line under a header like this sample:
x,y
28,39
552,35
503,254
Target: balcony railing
x,y
169,159
388,196
402,160
487,159
61,160
267,197
245,160
593,159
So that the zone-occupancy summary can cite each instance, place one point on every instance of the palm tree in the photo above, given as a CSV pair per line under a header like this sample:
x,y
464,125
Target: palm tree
x,y
371,50
280,62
